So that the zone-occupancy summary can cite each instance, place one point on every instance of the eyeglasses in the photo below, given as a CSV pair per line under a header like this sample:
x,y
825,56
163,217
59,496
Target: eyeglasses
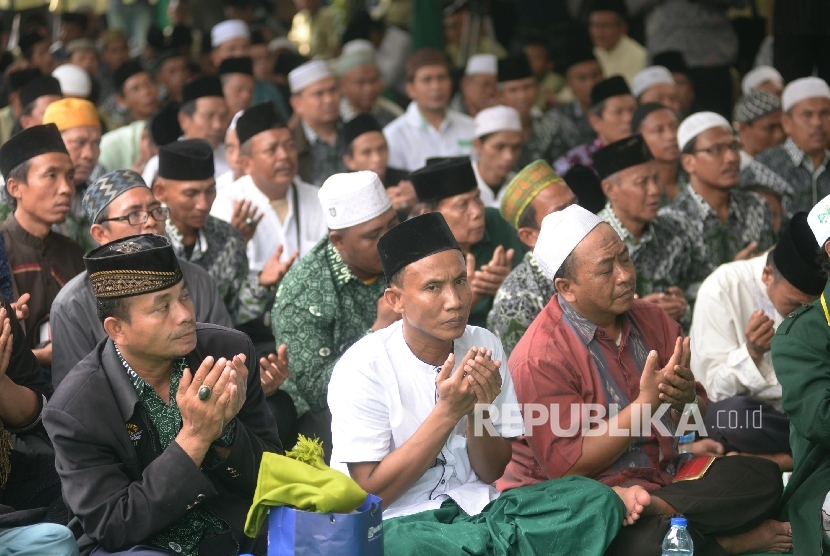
x,y
140,216
721,148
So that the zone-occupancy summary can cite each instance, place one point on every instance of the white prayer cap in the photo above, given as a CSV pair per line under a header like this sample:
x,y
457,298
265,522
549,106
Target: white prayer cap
x,y
75,81
759,76
353,198
561,233
357,45
497,118
819,221
355,53
696,124
311,72
228,30
482,63
649,77
234,120
802,89
282,43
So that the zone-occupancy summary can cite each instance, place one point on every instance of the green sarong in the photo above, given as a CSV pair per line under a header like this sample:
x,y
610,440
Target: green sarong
x,y
573,516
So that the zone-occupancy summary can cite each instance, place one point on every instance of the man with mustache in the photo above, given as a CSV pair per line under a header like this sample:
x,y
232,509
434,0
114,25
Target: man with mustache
x,y
733,224
798,168
498,143
78,122
596,344
160,431
119,204
40,183
670,259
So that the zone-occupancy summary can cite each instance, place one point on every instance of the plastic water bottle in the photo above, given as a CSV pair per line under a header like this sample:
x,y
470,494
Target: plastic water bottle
x,y
678,541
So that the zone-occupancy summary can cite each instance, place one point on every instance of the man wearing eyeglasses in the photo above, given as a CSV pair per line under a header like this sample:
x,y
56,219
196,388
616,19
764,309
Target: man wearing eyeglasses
x,y
733,224
119,204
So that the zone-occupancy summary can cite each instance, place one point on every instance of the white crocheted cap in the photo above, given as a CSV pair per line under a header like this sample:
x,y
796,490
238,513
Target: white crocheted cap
x,y
352,198
311,72
649,77
819,221
759,76
495,119
560,234
227,30
482,63
696,124
802,89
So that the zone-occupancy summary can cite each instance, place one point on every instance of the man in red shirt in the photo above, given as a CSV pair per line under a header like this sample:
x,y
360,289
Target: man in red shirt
x,y
595,344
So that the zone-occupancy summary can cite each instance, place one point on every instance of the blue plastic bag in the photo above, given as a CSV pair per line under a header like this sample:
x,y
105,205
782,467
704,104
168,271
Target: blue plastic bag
x,y
297,533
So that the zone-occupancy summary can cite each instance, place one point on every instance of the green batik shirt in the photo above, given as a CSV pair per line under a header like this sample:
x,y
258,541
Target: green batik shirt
x,y
520,299
320,310
749,219
183,537
669,253
220,250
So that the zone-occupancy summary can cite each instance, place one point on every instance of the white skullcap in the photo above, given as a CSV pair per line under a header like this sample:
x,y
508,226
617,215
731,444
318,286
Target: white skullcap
x,y
759,76
353,198
482,63
357,45
234,120
802,89
75,81
649,77
228,30
819,221
311,72
696,124
497,118
282,43
560,234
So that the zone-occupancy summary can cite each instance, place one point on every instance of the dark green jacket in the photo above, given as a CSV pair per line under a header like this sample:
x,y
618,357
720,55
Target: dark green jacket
x,y
801,358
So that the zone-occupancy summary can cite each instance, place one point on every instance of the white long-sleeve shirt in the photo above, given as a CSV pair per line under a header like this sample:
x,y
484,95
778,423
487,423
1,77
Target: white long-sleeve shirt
x,y
720,359
270,232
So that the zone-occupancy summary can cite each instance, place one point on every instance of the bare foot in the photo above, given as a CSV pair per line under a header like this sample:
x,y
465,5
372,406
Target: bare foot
x,y
635,498
705,447
784,461
771,537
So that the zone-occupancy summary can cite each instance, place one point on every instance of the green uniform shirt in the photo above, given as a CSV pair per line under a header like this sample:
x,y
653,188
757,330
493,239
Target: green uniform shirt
x,y
801,358
321,309
496,232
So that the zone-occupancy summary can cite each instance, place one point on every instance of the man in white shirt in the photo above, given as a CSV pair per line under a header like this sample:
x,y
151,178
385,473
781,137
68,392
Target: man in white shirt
x,y
738,308
429,435
656,84
477,89
292,219
498,144
428,128
203,114
617,53
232,155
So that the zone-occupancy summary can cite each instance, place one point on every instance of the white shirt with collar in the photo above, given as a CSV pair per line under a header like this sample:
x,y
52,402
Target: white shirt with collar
x,y
720,358
224,180
412,140
220,165
380,394
270,232
487,196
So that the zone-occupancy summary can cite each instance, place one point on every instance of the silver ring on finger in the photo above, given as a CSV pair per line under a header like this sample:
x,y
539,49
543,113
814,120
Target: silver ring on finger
x,y
249,222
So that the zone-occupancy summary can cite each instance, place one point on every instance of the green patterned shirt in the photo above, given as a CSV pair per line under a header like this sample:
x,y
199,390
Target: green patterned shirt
x,y
321,309
183,537
669,253
220,250
749,219
520,299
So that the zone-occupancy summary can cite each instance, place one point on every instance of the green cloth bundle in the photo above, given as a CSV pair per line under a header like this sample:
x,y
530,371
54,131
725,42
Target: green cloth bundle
x,y
302,480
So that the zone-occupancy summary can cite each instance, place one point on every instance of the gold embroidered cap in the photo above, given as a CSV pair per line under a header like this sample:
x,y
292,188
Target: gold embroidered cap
x,y
133,265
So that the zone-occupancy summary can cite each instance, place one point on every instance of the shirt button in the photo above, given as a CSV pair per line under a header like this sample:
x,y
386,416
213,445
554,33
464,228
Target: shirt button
x,y
443,481
324,352
791,315
200,497
175,547
314,310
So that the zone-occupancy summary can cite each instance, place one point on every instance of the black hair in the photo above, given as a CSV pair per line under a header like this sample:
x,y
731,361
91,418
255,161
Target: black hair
x,y
112,307
188,107
18,173
598,109
528,218
690,146
568,268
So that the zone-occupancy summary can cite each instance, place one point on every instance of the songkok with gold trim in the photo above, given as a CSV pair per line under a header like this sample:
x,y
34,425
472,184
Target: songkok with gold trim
x,y
132,266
